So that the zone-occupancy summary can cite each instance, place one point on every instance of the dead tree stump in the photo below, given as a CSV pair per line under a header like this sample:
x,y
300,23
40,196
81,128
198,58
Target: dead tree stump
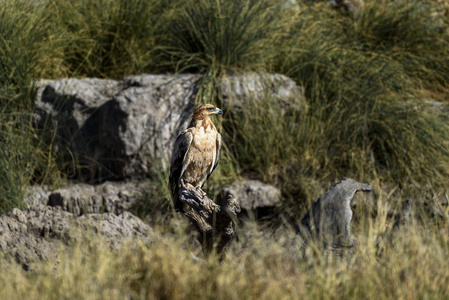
x,y
215,222
328,220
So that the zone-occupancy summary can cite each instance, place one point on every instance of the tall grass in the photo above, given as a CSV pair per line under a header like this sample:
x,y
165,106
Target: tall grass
x,y
364,79
413,34
23,158
221,35
22,31
108,38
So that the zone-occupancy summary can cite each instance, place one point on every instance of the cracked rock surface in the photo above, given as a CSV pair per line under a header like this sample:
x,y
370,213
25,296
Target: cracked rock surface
x,y
82,198
39,232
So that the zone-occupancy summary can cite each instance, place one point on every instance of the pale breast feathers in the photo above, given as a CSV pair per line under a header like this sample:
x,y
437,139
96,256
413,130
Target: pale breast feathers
x,y
201,156
195,156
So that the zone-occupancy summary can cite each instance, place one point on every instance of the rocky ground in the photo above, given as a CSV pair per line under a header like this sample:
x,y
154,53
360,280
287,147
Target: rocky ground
x,y
39,232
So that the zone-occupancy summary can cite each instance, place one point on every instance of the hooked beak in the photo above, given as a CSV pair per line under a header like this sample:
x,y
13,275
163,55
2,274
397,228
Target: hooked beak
x,y
219,111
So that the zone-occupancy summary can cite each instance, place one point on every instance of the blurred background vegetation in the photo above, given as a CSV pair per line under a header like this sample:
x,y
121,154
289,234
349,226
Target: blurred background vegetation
x,y
367,78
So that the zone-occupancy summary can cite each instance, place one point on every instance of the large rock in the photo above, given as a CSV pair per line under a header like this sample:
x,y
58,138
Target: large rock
x,y
106,129
110,197
238,91
253,195
38,233
115,129
80,198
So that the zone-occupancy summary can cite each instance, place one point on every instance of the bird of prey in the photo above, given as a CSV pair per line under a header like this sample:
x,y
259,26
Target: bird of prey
x,y
196,152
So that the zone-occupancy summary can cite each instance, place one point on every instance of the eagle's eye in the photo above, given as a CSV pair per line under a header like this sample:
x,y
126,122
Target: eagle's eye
x,y
211,108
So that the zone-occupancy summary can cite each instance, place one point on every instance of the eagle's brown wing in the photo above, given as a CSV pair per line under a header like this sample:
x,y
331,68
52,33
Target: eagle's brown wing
x,y
177,165
217,154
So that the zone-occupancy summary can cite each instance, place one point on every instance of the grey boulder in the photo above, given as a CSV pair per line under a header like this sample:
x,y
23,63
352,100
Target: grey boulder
x,y
109,197
38,233
253,195
106,129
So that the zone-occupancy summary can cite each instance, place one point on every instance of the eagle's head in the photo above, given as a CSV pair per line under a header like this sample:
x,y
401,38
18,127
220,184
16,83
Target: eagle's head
x,y
206,110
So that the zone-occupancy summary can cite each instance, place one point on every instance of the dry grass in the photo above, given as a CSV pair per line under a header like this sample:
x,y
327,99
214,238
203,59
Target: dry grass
x,y
261,265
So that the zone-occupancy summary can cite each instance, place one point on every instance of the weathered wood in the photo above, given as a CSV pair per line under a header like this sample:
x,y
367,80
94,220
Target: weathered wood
x,y
214,222
328,220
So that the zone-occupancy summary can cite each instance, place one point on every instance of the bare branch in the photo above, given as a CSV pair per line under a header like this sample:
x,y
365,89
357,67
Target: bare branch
x,y
214,222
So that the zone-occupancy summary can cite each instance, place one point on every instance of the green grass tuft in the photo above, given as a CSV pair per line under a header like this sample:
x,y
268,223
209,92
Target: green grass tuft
x,y
109,38
23,158
216,35
364,79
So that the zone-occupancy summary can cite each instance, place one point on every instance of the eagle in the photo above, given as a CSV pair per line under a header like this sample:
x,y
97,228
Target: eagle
x,y
196,152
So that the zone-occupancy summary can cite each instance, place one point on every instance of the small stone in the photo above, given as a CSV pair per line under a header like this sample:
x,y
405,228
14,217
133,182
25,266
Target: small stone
x,y
253,194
